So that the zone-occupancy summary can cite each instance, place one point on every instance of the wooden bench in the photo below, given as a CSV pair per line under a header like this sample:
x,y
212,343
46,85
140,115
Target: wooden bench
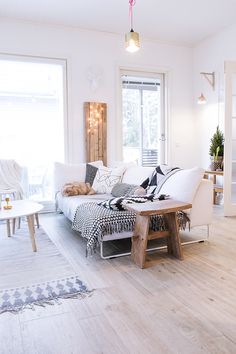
x,y
141,234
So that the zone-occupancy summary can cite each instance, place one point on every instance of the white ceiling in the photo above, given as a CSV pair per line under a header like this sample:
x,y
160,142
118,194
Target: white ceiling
x,y
182,21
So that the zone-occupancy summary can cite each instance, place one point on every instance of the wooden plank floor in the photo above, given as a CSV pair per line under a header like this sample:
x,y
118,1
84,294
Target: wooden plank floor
x,y
170,307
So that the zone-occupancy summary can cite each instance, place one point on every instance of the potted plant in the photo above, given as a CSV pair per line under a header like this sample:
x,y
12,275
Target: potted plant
x,y
217,150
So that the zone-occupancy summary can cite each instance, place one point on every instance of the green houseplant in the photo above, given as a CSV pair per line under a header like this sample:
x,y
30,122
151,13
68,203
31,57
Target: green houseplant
x,y
216,150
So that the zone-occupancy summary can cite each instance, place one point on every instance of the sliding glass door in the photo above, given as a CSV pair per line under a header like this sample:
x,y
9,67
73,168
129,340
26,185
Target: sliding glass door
x,y
32,119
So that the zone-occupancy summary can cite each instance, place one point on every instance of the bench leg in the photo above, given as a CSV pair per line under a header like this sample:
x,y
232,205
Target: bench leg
x,y
139,240
173,241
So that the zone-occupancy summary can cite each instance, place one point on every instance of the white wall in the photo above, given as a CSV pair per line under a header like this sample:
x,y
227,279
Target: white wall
x,y
104,53
209,55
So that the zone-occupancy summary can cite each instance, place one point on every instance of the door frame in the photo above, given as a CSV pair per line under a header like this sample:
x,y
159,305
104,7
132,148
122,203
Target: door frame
x,y
229,206
148,72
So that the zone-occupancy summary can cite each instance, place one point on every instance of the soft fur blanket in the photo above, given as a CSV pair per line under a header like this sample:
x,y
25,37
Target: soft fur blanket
x,y
10,177
94,221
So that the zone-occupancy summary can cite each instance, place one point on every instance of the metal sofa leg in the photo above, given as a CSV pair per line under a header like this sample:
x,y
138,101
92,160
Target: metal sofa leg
x,y
153,248
113,255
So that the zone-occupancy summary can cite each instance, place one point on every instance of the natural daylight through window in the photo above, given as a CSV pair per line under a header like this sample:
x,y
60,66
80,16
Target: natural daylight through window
x,y
143,120
32,120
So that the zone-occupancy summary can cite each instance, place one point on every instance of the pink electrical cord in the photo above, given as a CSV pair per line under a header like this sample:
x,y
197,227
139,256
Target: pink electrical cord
x,y
131,5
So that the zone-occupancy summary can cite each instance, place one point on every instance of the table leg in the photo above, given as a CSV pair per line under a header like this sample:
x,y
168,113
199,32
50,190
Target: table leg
x,y
19,221
8,228
13,226
174,244
30,220
139,240
37,220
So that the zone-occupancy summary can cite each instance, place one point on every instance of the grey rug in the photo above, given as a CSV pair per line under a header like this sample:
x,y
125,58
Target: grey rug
x,y
31,278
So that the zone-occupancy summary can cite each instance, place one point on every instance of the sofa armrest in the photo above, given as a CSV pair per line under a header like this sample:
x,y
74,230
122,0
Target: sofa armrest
x,y
202,206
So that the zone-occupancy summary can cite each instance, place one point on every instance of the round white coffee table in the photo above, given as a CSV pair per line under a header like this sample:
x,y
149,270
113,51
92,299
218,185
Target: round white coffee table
x,y
23,208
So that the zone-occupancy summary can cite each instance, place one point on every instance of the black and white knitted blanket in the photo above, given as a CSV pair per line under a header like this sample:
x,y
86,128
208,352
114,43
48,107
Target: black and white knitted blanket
x,y
94,221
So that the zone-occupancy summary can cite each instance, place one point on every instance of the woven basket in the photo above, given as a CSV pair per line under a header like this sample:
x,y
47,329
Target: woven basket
x,y
217,165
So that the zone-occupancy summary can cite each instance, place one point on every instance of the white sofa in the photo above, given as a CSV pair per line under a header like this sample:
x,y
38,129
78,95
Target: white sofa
x,y
186,185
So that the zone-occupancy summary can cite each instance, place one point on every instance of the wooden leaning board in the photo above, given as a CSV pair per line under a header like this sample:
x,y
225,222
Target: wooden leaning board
x,y
96,131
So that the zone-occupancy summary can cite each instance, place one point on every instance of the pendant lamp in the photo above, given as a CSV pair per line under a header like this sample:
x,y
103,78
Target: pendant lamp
x,y
132,38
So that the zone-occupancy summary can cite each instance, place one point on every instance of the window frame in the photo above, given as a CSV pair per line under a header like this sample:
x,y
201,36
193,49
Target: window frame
x,y
50,205
57,61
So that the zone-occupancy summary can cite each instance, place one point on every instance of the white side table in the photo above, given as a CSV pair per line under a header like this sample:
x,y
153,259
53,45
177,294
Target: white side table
x,y
23,208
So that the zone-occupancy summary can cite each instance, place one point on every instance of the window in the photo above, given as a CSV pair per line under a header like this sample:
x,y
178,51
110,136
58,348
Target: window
x,y
143,119
32,120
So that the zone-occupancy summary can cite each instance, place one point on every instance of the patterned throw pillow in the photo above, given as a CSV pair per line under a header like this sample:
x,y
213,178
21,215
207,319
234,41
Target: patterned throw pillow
x,y
159,176
121,203
90,173
126,189
106,178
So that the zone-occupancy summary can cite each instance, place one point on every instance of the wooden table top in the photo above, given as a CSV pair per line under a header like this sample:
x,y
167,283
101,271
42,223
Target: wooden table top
x,y
217,173
159,207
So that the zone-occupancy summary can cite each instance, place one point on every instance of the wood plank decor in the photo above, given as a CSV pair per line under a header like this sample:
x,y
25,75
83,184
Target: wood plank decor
x,y
96,131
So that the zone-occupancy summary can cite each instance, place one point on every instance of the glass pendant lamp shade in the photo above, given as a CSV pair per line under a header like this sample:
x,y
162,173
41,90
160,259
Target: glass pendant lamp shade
x,y
201,99
132,41
132,38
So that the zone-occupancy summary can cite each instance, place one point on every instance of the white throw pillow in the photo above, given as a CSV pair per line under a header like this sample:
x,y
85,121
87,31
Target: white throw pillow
x,y
136,174
183,184
106,178
64,173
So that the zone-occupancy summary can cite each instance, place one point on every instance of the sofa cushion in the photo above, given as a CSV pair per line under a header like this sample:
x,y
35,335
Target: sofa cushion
x,y
136,174
183,184
91,171
64,173
68,205
122,189
106,178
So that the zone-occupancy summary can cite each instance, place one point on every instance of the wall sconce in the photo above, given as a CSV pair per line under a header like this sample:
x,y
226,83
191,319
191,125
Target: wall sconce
x,y
210,77
201,99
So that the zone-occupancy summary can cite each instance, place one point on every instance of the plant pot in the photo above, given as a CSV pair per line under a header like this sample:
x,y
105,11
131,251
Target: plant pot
x,y
217,165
